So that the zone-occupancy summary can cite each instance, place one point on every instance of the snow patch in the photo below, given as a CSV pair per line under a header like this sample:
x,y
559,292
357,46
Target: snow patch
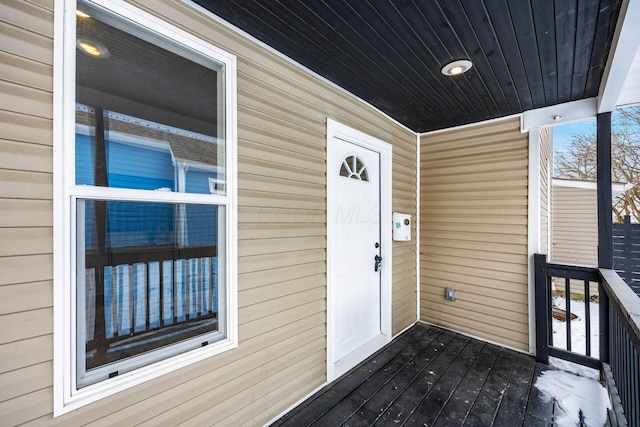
x,y
578,329
572,394
574,368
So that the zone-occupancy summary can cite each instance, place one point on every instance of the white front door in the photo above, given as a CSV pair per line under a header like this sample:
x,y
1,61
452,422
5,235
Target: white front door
x,y
355,250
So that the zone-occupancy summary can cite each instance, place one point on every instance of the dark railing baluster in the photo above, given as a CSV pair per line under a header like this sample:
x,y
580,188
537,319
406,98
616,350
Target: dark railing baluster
x,y
567,304
603,315
587,315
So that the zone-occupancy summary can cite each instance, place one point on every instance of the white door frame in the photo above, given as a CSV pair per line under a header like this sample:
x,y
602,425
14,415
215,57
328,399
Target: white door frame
x,y
343,132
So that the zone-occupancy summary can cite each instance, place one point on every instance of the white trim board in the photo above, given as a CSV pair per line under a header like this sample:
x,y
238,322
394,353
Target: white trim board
x,y
559,114
624,50
533,228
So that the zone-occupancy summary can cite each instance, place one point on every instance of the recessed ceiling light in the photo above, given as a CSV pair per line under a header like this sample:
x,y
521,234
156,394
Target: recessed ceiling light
x,y
81,14
92,48
457,67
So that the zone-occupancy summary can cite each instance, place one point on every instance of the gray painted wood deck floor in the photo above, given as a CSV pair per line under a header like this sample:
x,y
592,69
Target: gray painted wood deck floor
x,y
429,376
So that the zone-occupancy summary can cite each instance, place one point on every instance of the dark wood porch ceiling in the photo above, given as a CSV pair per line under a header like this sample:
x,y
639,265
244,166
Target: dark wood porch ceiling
x,y
526,53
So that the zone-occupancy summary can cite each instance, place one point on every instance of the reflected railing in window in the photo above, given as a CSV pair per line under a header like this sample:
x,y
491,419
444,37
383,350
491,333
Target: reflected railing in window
x,y
148,276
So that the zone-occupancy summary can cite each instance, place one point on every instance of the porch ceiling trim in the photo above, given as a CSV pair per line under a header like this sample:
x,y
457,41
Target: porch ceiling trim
x,y
620,64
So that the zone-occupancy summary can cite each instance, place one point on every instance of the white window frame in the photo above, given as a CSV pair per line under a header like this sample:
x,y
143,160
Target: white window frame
x,y
67,396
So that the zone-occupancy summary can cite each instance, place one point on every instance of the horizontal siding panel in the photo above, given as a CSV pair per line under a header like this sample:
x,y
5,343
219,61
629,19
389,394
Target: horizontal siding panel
x,y
26,269
470,205
405,277
497,195
25,100
271,261
257,150
276,200
498,265
268,215
26,213
23,71
509,311
27,352
25,296
312,366
273,124
477,246
266,293
469,227
574,223
483,146
24,381
258,230
453,170
265,168
493,176
261,326
489,238
20,127
27,407
472,285
497,185
22,13
496,128
264,309
255,139
312,147
280,185
273,403
279,275
485,256
26,157
26,324
468,324
26,241
273,246
26,185
263,98
483,218
21,42
507,277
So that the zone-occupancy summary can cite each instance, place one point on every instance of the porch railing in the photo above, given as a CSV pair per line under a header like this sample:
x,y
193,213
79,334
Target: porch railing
x,y
618,354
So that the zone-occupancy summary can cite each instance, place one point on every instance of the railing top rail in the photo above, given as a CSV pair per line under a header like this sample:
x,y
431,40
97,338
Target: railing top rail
x,y
573,272
623,297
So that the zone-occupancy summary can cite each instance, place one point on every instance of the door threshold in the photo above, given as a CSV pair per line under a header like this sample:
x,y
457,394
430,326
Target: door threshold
x,y
346,363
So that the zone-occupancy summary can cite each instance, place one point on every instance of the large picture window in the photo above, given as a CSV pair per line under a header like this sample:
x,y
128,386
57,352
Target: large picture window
x,y
148,208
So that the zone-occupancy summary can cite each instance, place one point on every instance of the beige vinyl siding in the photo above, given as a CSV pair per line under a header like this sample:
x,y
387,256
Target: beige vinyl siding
x,y
282,112
575,226
473,209
546,165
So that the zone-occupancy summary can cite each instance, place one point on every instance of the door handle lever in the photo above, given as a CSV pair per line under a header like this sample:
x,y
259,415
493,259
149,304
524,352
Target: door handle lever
x,y
378,263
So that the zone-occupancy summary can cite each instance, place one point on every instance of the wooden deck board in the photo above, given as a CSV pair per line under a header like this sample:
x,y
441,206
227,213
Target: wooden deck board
x,y
431,377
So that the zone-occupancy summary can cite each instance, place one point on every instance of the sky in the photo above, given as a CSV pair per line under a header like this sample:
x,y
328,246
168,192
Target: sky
x,y
562,133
